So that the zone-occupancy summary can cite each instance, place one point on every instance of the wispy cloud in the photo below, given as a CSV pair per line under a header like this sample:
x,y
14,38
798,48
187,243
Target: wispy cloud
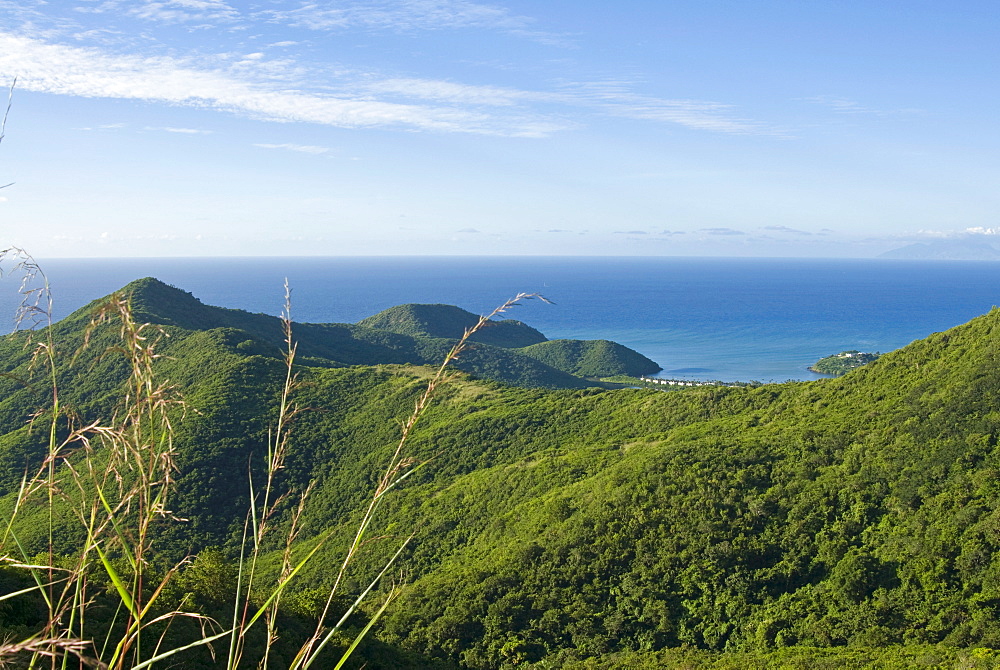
x,y
410,16
617,99
609,99
975,231
166,11
786,229
183,131
284,90
301,148
721,231
842,105
690,113
87,72
852,107
446,91
104,126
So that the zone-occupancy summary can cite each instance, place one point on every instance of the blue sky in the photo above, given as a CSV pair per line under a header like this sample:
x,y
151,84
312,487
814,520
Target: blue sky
x,y
207,128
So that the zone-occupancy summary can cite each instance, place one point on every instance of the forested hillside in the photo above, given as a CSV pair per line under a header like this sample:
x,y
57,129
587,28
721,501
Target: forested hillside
x,y
450,322
835,523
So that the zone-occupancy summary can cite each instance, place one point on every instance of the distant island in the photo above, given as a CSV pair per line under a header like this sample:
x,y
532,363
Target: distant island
x,y
843,362
961,249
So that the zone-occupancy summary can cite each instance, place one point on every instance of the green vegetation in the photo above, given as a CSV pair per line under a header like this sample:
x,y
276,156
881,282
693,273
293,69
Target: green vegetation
x,y
451,322
591,358
843,523
401,335
844,362
101,492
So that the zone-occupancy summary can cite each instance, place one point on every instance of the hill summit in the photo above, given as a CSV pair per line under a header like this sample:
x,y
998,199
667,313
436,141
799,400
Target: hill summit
x,y
451,322
506,350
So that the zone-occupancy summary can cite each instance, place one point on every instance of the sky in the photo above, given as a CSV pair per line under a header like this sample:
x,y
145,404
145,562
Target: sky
x,y
287,128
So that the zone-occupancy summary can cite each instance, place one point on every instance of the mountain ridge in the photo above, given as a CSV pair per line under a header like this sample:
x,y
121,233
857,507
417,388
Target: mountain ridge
x,y
451,322
405,334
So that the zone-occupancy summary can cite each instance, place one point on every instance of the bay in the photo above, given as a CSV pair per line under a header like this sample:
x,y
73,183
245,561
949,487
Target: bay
x,y
729,319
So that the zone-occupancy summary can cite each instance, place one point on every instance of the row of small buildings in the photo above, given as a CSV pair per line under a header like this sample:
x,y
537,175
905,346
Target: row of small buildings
x,y
686,382
677,382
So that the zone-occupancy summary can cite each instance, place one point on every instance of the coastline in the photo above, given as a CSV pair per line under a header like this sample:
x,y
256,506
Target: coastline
x,y
702,319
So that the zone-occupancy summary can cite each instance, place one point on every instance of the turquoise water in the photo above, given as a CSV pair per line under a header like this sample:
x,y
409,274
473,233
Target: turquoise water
x,y
699,318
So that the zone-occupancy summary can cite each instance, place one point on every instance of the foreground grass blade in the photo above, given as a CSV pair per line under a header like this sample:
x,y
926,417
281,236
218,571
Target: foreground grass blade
x,y
168,654
123,592
364,632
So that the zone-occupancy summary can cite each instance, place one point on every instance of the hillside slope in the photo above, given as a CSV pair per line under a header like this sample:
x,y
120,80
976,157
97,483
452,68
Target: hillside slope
x,y
592,358
861,511
402,335
451,322
557,526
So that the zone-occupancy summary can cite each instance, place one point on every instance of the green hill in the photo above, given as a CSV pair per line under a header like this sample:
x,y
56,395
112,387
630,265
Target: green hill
x,y
592,358
407,334
451,322
839,523
844,362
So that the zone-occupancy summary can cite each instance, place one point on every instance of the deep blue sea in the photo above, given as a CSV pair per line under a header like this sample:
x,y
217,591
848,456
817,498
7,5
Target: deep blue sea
x,y
700,318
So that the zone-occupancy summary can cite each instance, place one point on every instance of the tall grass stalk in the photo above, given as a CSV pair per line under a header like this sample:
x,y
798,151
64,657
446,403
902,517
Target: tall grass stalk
x,y
399,467
6,114
115,477
263,506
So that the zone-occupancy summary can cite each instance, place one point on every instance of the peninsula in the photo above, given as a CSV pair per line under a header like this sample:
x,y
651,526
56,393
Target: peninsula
x,y
844,362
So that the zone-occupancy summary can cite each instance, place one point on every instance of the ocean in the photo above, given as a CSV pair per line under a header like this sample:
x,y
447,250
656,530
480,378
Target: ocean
x,y
728,319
